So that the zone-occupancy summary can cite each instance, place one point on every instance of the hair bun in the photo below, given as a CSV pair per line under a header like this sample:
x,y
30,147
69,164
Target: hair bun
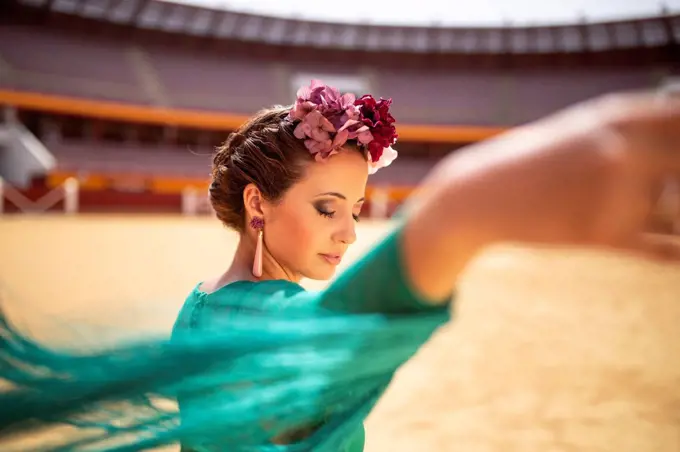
x,y
222,158
263,151
235,140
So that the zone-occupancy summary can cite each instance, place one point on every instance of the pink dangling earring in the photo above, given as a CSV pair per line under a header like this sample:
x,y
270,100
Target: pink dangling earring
x,y
257,223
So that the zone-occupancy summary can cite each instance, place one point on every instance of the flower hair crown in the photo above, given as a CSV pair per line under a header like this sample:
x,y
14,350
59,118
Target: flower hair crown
x,y
328,120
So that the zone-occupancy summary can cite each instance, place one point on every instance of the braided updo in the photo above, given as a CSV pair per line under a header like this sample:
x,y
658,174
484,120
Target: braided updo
x,y
263,151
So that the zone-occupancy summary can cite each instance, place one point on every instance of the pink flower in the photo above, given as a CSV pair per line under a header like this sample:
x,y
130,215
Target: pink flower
x,y
338,109
328,120
316,131
301,109
364,135
323,111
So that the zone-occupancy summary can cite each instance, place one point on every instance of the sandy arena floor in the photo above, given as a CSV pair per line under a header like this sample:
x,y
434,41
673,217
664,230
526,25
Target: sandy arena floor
x,y
549,351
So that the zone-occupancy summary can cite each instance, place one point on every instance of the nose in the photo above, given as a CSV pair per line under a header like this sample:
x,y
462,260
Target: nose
x,y
347,233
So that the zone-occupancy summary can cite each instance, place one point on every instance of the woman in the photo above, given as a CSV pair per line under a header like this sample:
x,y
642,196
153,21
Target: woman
x,y
258,363
293,188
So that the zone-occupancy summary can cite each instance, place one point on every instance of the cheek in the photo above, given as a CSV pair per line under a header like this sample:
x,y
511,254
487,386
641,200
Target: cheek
x,y
299,234
294,238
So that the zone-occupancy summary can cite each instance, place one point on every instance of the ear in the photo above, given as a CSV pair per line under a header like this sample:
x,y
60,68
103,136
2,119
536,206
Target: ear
x,y
253,201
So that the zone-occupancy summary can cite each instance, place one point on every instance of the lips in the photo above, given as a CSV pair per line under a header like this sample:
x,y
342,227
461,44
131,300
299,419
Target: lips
x,y
333,259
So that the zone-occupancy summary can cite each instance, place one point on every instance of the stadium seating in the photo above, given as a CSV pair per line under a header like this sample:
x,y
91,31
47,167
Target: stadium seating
x,y
198,73
111,158
58,62
54,62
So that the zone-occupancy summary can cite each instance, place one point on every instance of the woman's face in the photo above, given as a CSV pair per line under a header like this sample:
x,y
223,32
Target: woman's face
x,y
308,231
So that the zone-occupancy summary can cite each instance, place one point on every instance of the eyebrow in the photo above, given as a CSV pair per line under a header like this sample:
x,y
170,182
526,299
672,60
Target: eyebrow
x,y
338,195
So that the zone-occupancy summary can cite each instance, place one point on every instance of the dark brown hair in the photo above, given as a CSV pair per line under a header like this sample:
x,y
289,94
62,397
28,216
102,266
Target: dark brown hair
x,y
263,151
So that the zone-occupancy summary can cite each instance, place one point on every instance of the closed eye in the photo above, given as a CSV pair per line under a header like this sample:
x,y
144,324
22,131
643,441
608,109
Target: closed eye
x,y
328,214
325,213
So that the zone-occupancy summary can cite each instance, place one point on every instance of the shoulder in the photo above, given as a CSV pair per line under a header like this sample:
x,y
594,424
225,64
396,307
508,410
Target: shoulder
x,y
202,309
260,289
251,295
274,295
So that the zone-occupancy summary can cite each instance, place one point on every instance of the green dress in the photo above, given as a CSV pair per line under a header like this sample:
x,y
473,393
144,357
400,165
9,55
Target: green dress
x,y
375,284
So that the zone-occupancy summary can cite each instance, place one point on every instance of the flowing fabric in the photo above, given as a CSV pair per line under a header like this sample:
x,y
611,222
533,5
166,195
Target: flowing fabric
x,y
258,378
246,364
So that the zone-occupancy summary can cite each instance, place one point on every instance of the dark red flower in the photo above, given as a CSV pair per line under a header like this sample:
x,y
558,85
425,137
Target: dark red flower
x,y
376,115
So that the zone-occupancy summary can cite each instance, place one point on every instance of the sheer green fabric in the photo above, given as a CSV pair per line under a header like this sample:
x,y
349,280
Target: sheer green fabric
x,y
247,363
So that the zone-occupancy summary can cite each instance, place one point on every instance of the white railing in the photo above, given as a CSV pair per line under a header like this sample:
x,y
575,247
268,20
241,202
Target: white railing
x,y
68,192
24,156
379,203
195,202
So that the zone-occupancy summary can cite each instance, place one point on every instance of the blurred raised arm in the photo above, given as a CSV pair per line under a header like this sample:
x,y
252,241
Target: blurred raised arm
x,y
580,177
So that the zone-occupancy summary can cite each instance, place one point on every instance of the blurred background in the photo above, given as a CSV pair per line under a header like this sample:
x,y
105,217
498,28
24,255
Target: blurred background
x,y
129,97
110,110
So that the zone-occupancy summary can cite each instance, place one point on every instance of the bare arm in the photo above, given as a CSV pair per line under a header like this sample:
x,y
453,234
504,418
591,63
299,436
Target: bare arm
x,y
581,177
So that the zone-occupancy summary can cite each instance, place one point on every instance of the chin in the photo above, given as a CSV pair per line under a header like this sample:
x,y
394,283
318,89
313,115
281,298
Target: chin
x,y
321,274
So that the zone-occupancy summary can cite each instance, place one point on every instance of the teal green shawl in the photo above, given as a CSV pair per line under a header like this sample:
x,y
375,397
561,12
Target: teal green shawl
x,y
303,358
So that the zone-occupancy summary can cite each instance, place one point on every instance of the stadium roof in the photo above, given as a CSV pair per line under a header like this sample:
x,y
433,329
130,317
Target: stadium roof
x,y
604,25
477,13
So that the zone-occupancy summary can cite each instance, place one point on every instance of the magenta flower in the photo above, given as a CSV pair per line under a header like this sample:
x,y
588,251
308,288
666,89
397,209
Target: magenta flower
x,y
328,119
376,116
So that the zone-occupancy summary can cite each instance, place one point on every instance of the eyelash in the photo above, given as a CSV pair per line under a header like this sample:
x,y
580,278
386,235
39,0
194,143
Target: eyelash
x,y
323,213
